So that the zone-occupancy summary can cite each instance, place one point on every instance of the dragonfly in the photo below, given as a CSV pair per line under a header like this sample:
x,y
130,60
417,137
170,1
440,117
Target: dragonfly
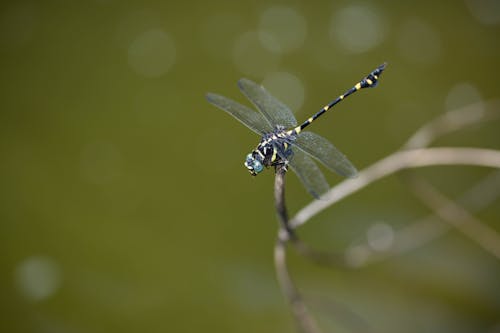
x,y
283,142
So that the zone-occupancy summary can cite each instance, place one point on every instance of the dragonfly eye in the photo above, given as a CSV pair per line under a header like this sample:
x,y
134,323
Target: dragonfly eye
x,y
253,165
257,166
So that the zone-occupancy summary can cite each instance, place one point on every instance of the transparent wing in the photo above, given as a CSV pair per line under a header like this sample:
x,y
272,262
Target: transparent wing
x,y
309,174
275,112
325,152
248,117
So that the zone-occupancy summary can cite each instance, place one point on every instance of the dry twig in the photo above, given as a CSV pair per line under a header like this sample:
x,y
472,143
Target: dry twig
x,y
415,155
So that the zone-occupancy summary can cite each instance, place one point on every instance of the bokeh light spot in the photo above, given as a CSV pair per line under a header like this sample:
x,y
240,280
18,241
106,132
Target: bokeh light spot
x,y
152,54
380,236
38,278
356,256
460,95
485,11
357,28
251,58
286,87
282,29
419,43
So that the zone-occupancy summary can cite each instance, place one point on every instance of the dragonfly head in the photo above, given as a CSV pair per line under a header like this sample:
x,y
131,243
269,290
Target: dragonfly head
x,y
254,164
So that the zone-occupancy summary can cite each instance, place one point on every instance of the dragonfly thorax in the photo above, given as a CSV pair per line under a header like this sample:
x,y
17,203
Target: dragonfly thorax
x,y
273,149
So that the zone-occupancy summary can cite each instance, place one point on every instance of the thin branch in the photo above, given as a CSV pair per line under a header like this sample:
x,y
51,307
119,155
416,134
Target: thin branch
x,y
305,321
453,121
406,239
481,195
451,212
398,161
279,202
394,163
427,229
458,217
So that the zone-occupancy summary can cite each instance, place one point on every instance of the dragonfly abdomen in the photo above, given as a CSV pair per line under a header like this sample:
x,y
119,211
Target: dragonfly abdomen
x,y
370,81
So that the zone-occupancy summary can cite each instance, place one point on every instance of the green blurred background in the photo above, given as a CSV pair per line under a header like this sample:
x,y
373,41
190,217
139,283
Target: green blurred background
x,y
125,206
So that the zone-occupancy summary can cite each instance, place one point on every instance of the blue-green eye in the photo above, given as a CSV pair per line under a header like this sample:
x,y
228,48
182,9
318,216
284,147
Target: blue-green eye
x,y
257,166
253,164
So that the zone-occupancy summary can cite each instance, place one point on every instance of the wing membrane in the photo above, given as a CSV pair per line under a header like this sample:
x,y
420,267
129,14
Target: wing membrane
x,y
325,152
248,117
275,112
309,173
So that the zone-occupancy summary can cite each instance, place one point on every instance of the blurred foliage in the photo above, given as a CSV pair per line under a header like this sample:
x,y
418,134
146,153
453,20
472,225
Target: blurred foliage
x,y
124,203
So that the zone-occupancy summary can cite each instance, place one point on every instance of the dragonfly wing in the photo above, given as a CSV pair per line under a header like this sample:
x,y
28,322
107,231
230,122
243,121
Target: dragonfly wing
x,y
275,112
309,173
325,152
248,117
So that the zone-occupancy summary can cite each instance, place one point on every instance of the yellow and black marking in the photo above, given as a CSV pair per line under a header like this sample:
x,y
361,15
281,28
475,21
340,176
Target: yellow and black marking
x,y
275,155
